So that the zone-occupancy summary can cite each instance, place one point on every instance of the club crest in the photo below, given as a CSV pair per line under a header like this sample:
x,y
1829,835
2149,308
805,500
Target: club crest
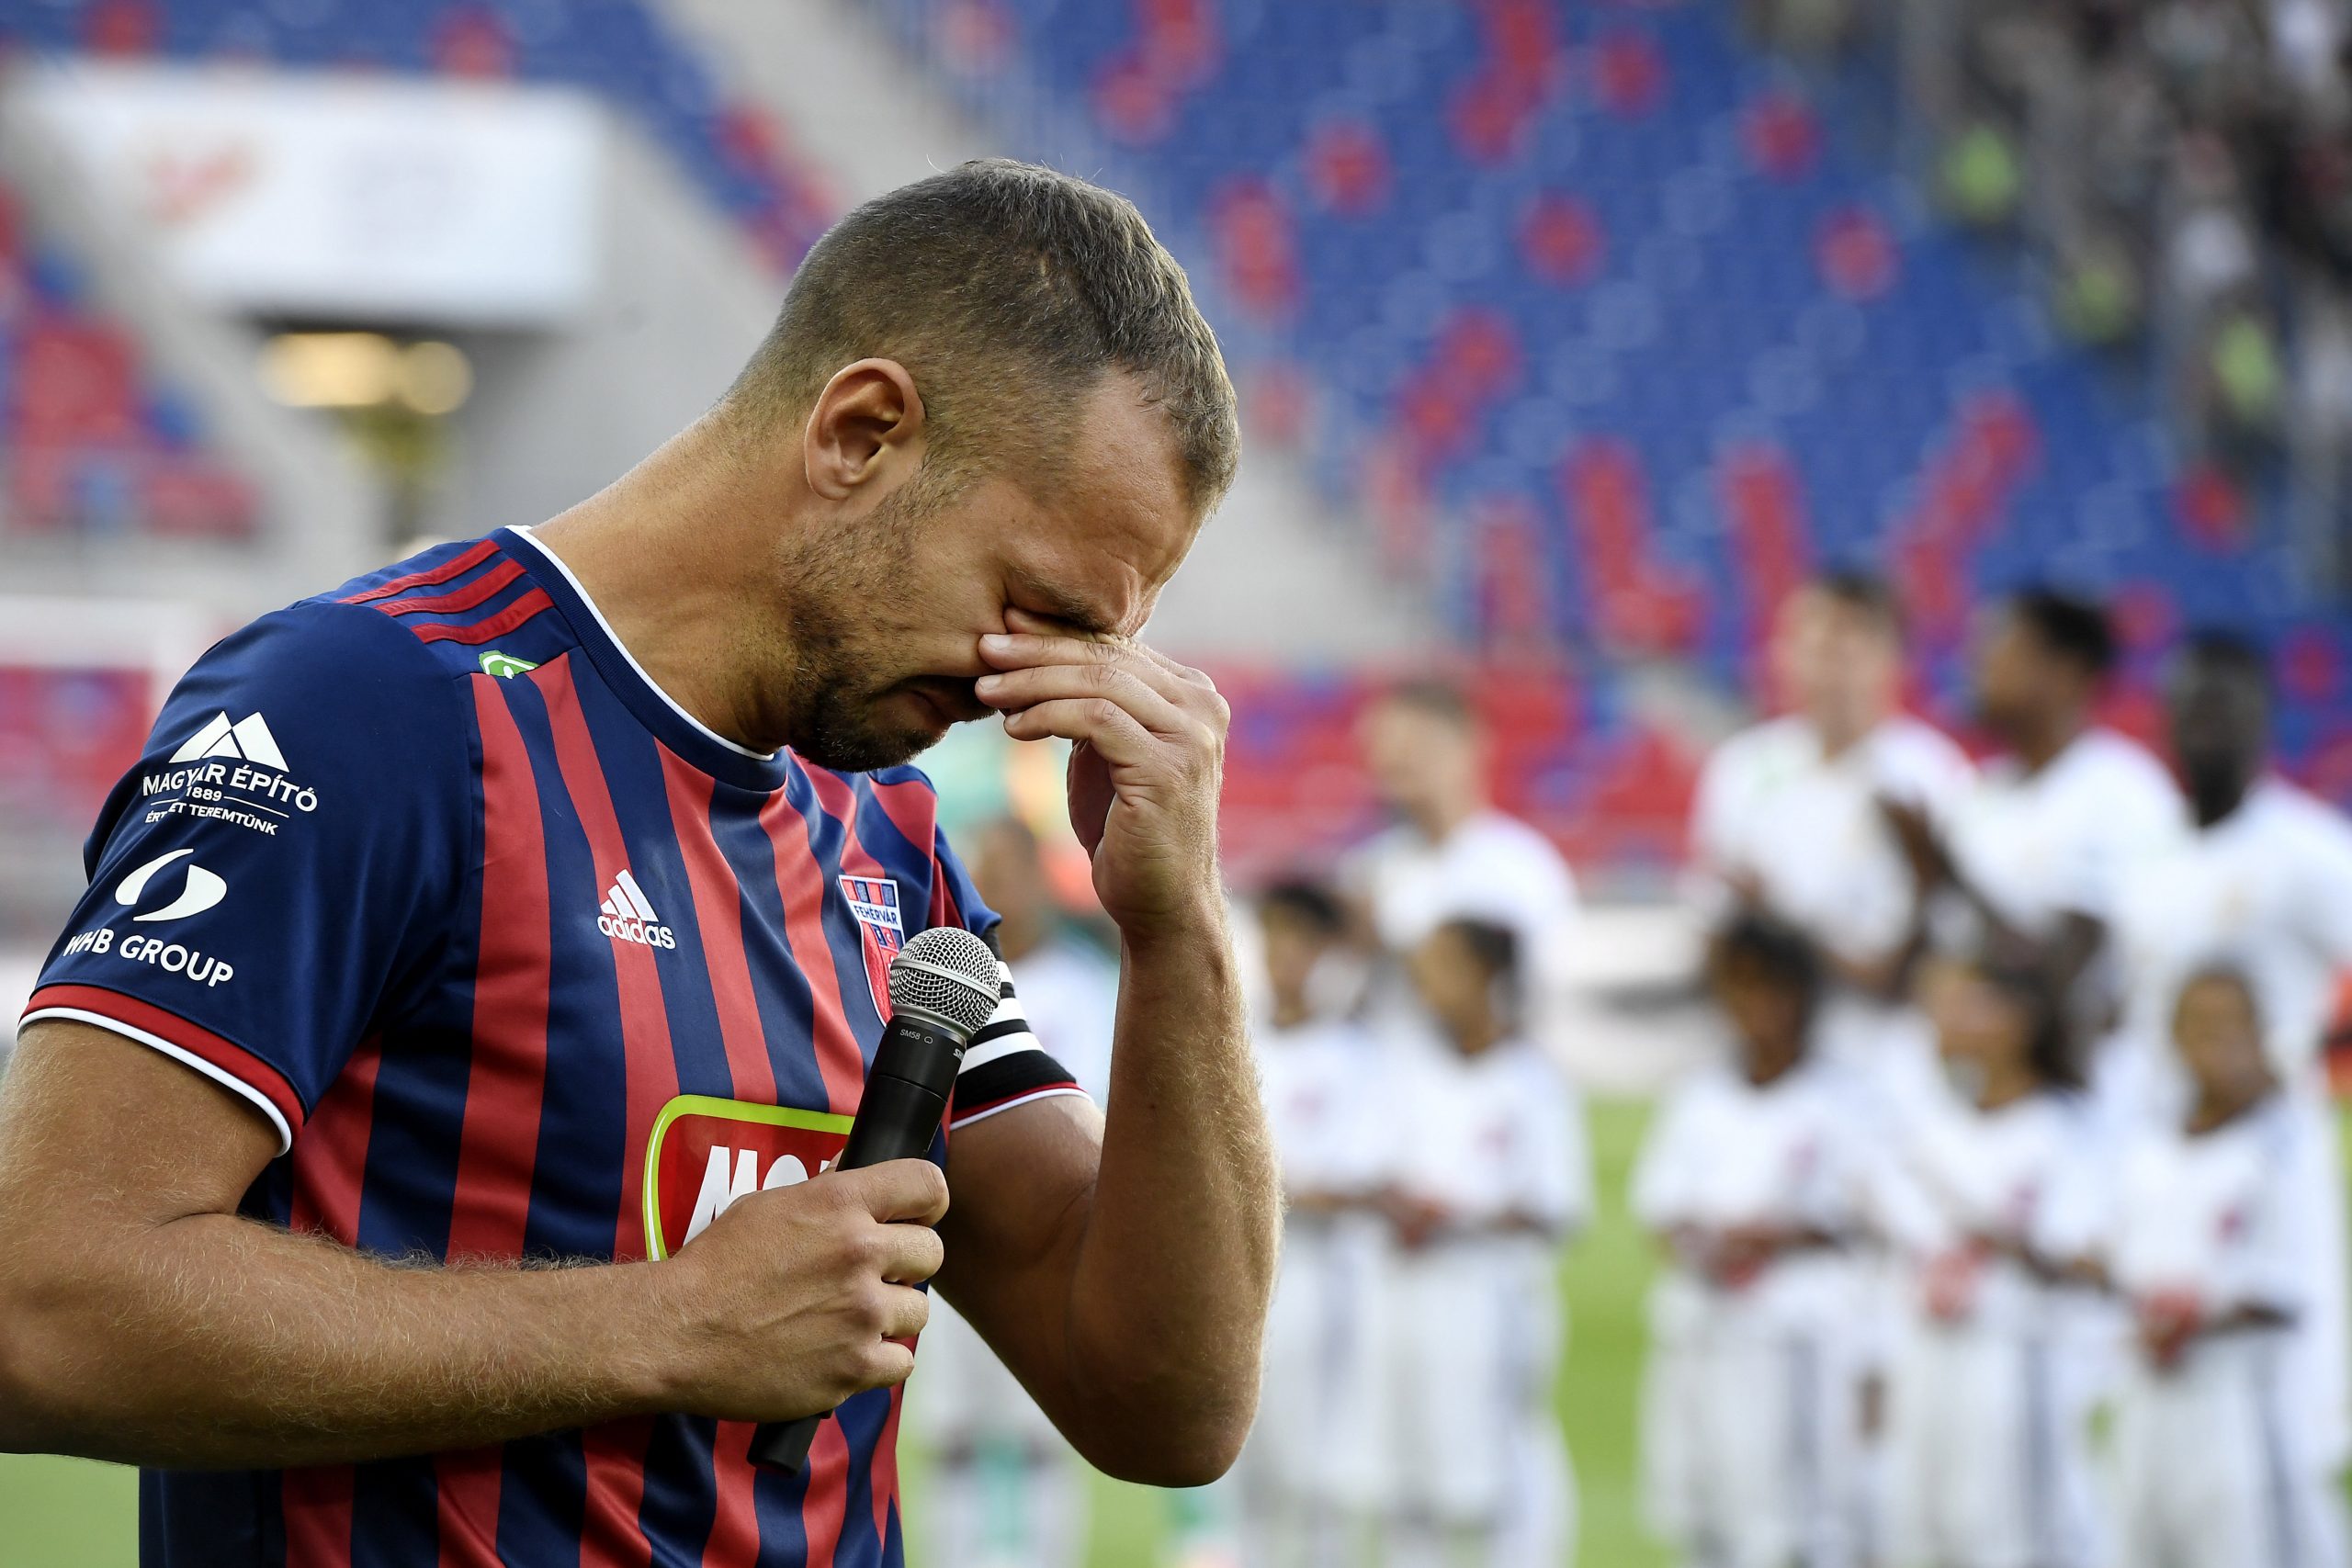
x,y
875,901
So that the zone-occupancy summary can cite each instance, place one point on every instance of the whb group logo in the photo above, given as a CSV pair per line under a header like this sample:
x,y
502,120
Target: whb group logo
x,y
626,915
201,891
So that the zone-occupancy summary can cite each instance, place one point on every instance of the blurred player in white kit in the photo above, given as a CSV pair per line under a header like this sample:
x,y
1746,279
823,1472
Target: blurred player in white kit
x,y
1788,819
1995,1467
1311,1476
2222,1460
1757,1178
2264,882
1007,1491
1491,1174
2033,862
1451,852
1788,814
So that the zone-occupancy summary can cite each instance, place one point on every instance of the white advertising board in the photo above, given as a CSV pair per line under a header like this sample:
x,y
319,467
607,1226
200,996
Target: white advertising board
x,y
342,196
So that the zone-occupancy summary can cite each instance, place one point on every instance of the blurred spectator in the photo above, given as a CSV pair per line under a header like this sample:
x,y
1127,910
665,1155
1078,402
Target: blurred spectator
x,y
2209,142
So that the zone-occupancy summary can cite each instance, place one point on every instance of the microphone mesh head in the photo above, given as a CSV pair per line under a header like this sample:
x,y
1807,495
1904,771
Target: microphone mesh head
x,y
949,974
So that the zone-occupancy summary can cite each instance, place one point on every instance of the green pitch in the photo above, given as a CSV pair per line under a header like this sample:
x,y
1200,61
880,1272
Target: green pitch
x,y
58,1513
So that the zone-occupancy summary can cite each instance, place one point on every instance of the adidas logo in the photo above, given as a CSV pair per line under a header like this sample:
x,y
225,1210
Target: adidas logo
x,y
248,740
626,915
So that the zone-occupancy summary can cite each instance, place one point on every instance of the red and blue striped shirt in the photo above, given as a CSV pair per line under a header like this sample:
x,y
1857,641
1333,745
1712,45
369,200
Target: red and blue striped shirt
x,y
520,962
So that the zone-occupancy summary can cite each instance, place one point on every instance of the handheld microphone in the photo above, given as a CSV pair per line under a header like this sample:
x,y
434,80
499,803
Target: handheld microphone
x,y
944,986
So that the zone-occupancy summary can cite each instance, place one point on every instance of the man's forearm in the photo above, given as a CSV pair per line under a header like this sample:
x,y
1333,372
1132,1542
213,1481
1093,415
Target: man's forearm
x,y
219,1341
1176,1265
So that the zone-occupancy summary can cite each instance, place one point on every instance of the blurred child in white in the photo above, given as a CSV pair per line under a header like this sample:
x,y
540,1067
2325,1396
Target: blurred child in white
x,y
1756,1178
2223,1463
1005,1489
1991,1416
1491,1175
1309,1477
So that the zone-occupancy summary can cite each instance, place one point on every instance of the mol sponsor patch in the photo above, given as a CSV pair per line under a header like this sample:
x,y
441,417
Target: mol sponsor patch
x,y
705,1152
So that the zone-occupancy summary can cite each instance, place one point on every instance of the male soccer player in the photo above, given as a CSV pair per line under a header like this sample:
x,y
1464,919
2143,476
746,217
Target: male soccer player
x,y
2264,882
1788,816
530,903
2033,862
1451,852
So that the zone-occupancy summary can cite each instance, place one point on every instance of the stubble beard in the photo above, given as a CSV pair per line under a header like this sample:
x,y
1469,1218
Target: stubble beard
x,y
844,593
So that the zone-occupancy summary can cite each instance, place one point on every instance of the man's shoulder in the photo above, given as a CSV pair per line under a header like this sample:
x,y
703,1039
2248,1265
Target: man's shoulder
x,y
2106,760
1500,835
468,608
1772,746
1911,745
2295,814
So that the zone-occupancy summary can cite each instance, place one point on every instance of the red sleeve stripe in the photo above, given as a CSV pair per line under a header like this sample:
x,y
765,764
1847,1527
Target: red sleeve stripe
x,y
455,566
499,625
482,588
960,1118
229,1065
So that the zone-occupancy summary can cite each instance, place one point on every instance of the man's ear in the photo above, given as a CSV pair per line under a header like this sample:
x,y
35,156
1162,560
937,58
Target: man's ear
x,y
867,426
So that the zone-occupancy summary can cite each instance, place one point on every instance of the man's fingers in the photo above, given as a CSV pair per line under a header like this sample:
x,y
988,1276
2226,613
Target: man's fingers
x,y
899,1191
1114,733
908,1255
1016,689
1023,651
905,1311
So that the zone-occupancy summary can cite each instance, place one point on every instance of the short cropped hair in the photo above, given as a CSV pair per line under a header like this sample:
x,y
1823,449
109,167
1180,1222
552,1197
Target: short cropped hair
x,y
1775,949
1434,695
1008,290
1864,593
1309,902
1493,947
2073,629
2218,652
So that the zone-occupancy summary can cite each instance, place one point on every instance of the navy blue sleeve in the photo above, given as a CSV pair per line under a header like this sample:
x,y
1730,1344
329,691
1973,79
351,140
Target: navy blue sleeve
x,y
282,865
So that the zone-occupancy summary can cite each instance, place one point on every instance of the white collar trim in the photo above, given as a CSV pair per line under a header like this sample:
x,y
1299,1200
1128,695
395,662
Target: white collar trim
x,y
651,684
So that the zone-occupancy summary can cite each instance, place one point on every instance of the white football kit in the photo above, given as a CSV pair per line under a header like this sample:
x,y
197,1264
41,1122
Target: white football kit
x,y
1497,1141
2221,1465
1315,1447
2267,891
1760,1404
1990,1402
1492,867
1006,1489
2062,840
1808,829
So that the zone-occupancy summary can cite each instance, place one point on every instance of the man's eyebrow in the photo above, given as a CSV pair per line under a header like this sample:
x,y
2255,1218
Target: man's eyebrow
x,y
1062,605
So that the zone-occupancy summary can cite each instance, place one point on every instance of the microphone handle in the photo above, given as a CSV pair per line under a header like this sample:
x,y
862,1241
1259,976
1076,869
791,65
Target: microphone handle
x,y
898,1116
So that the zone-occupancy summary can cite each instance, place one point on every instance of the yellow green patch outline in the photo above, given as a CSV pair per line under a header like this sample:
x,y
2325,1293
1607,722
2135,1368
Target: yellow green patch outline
x,y
733,1110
